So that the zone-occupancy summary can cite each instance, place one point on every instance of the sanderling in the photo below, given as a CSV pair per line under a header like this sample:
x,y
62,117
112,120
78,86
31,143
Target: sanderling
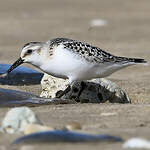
x,y
72,59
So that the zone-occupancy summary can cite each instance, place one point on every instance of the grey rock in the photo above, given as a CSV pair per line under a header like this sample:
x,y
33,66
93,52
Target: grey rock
x,y
50,85
17,119
95,91
19,76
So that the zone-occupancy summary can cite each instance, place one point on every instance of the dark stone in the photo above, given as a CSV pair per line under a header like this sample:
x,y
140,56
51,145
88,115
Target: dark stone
x,y
13,98
58,136
20,76
100,96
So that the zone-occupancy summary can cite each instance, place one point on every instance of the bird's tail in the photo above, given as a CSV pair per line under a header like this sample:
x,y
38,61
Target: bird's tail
x,y
137,60
132,60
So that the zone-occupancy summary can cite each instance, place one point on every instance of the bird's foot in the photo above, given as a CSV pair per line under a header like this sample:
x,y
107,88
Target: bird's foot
x,y
62,93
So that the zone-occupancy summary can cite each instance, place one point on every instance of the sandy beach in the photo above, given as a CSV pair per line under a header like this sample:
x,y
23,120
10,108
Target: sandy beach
x,y
126,33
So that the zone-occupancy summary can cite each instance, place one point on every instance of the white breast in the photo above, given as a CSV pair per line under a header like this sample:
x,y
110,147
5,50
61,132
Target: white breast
x,y
66,64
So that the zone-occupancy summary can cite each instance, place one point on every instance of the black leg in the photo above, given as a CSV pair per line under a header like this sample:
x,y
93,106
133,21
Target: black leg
x,y
81,90
64,92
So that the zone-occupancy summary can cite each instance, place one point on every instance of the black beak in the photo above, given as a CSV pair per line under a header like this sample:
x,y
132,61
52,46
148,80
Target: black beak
x,y
15,64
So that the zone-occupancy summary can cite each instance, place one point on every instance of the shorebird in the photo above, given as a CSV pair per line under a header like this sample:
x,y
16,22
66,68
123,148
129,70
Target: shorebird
x,y
72,59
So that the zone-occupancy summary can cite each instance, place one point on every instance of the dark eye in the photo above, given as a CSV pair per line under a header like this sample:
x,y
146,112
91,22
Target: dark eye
x,y
29,51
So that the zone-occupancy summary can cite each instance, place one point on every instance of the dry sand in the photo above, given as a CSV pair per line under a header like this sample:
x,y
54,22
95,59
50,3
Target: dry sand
x,y
127,34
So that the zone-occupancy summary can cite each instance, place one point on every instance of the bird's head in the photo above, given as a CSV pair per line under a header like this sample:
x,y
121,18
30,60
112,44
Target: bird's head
x,y
30,54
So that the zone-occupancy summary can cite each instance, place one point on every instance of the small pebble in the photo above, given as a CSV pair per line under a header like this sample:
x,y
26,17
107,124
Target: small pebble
x,y
27,147
137,143
17,119
73,126
98,22
108,114
32,128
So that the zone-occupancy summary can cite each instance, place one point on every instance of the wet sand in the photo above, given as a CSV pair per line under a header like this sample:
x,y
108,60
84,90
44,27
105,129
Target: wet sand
x,y
127,34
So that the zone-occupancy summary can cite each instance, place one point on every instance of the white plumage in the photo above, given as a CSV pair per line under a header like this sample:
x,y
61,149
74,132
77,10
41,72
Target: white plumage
x,y
75,60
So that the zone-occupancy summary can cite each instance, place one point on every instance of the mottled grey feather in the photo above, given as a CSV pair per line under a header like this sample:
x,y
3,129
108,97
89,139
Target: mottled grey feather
x,y
91,53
